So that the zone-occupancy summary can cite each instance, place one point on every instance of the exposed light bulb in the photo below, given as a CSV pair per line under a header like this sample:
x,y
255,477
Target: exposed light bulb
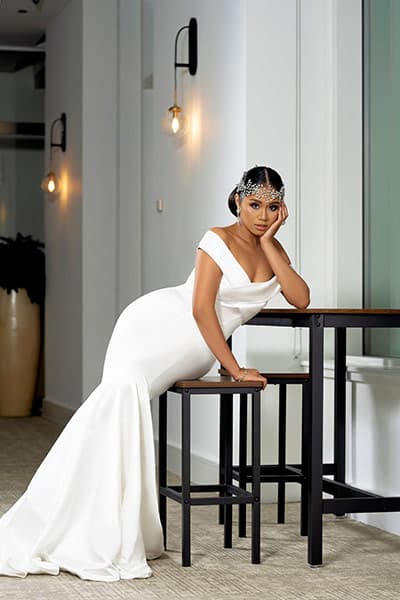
x,y
50,183
175,124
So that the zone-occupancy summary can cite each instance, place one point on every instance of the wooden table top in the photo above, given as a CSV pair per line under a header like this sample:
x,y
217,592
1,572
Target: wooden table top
x,y
331,311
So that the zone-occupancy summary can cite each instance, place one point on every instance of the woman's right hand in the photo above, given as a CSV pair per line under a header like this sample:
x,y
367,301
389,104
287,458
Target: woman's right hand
x,y
253,375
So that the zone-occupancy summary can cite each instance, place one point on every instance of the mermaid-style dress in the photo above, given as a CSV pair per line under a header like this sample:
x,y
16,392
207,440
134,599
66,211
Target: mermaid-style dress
x,y
91,507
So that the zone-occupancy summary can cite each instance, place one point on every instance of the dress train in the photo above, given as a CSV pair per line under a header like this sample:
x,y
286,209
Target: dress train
x,y
94,512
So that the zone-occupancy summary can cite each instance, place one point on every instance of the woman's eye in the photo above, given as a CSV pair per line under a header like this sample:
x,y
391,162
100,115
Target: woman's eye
x,y
273,208
254,205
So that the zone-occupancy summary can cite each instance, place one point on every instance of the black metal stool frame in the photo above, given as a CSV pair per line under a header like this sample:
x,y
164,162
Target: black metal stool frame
x,y
229,494
281,473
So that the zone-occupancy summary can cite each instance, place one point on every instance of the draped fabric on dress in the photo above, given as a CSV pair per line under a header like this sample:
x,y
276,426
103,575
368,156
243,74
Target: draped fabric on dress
x,y
91,507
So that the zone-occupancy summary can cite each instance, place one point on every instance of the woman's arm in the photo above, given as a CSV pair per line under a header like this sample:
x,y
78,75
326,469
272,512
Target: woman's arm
x,y
207,279
294,288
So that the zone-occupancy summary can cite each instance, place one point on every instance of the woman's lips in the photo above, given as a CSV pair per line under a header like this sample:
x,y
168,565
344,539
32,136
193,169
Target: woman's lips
x,y
262,227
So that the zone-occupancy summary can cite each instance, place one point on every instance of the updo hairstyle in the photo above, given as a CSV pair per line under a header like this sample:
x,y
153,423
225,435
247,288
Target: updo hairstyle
x,y
258,174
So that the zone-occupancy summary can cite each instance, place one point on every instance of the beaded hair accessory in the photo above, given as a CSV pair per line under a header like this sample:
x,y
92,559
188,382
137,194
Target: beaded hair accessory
x,y
260,190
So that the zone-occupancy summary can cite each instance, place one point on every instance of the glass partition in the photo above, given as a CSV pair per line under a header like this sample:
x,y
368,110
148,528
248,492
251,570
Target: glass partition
x,y
381,91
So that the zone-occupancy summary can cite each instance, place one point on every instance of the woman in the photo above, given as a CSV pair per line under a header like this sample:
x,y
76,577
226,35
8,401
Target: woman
x,y
91,507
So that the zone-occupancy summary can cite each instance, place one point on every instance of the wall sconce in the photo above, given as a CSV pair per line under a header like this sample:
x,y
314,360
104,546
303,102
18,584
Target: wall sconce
x,y
51,182
173,122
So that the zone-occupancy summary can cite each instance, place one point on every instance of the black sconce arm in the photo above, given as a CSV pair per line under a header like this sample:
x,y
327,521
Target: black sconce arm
x,y
192,64
63,143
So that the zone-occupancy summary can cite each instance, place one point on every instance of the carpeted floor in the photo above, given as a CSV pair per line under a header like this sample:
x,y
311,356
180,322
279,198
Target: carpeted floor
x,y
360,562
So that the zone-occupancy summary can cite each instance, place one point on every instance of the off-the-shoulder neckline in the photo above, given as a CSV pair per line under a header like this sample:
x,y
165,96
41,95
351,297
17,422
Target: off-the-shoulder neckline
x,y
238,263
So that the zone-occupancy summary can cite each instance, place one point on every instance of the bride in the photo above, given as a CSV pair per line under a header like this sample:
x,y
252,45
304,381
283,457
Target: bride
x,y
91,507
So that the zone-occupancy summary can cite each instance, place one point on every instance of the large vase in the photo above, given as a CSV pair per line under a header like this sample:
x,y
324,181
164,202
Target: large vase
x,y
19,352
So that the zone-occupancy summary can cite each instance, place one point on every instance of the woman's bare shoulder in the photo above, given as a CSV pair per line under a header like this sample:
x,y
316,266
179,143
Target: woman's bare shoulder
x,y
223,232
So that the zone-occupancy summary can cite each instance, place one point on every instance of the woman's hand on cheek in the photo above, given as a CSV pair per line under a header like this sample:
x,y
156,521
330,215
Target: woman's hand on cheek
x,y
272,230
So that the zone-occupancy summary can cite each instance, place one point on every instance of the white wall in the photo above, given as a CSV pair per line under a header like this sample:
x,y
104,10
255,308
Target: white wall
x,y
99,183
129,169
63,217
93,227
193,179
111,203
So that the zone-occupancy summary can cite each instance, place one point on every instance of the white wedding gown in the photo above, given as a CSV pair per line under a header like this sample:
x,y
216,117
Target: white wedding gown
x,y
91,508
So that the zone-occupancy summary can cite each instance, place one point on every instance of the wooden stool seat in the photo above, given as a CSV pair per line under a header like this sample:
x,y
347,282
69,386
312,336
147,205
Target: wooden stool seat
x,y
214,381
274,378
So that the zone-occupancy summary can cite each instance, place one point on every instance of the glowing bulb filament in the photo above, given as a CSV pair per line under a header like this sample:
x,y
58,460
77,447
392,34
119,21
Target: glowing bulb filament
x,y
175,124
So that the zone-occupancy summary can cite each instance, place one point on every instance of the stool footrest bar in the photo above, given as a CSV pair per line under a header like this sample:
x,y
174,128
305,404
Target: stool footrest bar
x,y
234,495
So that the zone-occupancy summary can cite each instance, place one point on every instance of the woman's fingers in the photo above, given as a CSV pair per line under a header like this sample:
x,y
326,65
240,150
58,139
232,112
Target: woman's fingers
x,y
255,375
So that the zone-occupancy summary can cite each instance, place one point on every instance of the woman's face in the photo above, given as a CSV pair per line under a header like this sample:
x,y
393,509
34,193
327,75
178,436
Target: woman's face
x,y
258,214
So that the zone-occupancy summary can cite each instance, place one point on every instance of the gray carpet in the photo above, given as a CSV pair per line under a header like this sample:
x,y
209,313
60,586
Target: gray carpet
x,y
360,562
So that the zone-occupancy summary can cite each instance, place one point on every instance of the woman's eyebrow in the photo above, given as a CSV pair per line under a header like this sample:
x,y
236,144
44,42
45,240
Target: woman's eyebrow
x,y
265,201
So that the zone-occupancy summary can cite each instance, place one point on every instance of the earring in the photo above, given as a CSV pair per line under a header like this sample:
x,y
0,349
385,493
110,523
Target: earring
x,y
238,214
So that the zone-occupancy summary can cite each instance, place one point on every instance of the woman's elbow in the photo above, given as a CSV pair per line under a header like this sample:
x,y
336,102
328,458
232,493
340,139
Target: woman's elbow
x,y
202,313
302,306
304,302
198,313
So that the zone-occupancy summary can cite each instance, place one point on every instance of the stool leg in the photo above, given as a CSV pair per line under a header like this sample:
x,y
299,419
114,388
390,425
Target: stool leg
x,y
242,460
305,431
162,461
222,444
256,472
221,511
228,469
185,479
282,451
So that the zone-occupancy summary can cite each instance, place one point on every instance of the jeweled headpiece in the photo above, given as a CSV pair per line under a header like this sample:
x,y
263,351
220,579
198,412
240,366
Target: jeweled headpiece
x,y
260,190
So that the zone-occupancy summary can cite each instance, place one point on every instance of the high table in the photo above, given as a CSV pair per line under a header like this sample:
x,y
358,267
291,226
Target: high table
x,y
346,498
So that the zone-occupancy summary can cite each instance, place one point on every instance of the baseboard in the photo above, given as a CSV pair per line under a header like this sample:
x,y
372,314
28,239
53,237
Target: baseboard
x,y
204,470
56,412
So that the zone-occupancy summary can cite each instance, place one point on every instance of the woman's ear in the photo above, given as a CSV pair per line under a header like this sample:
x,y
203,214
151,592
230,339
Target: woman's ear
x,y
237,201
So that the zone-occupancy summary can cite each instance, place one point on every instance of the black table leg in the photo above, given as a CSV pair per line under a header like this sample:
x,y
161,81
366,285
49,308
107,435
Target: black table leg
x,y
228,468
315,449
340,407
305,460
256,476
162,461
186,533
282,450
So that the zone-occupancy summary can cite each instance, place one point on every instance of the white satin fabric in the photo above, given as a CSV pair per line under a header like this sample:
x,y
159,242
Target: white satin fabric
x,y
91,507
